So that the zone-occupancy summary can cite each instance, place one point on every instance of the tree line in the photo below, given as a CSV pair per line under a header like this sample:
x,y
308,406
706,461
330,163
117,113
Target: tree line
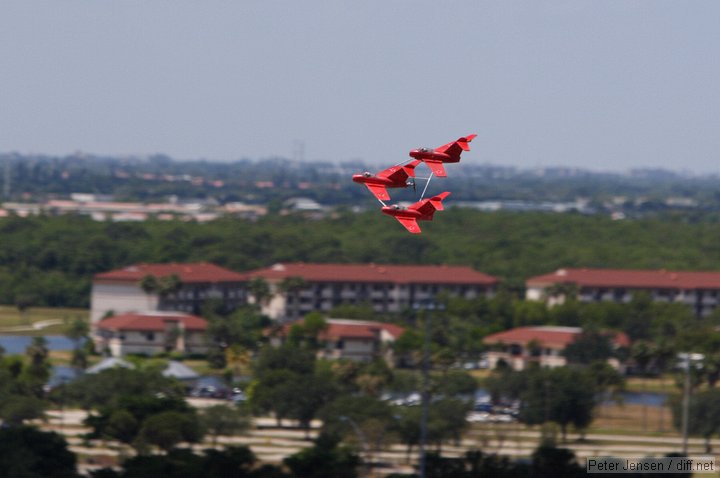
x,y
50,261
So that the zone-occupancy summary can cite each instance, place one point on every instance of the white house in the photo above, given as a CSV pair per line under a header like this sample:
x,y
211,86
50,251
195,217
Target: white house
x,y
358,340
543,345
150,333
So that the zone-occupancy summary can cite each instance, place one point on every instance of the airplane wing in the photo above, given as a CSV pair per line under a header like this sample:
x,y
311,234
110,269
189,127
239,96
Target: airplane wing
x,y
400,173
437,168
379,191
410,224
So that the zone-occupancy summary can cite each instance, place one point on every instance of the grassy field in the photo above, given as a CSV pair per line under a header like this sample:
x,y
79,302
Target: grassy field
x,y
633,419
38,320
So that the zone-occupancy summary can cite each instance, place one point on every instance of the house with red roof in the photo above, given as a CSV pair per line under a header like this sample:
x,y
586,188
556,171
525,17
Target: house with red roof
x,y
387,288
543,345
150,333
177,287
357,340
698,290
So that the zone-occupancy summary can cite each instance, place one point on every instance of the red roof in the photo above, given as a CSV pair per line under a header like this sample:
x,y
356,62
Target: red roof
x,y
355,329
188,273
547,336
396,274
627,278
151,322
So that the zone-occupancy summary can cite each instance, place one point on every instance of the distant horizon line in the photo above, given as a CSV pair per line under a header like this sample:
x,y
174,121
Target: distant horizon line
x,y
79,154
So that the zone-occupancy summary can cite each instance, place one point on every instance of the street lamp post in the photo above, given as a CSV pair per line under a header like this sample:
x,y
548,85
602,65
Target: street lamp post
x,y
362,438
687,359
428,306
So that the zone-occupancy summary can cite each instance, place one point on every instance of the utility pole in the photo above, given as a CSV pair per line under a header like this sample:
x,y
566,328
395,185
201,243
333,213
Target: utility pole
x,y
425,390
6,180
686,405
427,307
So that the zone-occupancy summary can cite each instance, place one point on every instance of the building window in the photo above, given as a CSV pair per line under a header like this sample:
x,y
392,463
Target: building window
x,y
340,344
150,336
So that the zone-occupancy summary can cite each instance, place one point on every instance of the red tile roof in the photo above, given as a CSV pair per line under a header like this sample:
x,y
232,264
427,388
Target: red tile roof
x,y
151,322
355,329
628,278
188,273
547,336
396,274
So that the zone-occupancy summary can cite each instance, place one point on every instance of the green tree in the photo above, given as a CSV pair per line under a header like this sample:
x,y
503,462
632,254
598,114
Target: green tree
x,y
36,374
221,420
110,387
565,395
76,331
168,285
260,291
30,453
366,422
326,459
150,285
307,333
407,428
167,429
591,346
124,419
549,462
16,408
703,415
243,327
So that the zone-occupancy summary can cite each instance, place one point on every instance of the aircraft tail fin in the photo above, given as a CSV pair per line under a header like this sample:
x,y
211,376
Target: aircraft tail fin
x,y
463,142
436,201
410,167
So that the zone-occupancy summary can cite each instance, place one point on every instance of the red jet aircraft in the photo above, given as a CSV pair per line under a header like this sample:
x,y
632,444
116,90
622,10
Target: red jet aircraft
x,y
395,177
448,153
420,211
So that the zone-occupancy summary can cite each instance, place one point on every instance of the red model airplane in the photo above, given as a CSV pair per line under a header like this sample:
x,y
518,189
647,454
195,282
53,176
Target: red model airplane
x,y
395,177
420,211
448,153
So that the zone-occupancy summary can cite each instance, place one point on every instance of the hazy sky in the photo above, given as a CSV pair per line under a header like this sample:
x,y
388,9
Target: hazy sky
x,y
604,85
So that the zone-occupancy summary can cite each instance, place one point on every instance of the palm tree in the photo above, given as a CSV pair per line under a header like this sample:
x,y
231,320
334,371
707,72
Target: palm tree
x,y
149,284
169,285
260,291
290,287
560,292
76,331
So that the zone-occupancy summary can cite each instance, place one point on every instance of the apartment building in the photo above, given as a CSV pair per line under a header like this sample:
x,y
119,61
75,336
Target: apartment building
x,y
191,285
387,288
698,290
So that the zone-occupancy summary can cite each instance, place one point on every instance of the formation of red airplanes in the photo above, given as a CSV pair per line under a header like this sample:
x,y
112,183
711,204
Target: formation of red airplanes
x,y
399,176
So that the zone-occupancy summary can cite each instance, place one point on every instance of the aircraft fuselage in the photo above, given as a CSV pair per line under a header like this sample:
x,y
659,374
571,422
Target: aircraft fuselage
x,y
404,212
431,155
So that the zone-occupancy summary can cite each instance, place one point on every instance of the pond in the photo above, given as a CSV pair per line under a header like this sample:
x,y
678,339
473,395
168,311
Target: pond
x,y
16,344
